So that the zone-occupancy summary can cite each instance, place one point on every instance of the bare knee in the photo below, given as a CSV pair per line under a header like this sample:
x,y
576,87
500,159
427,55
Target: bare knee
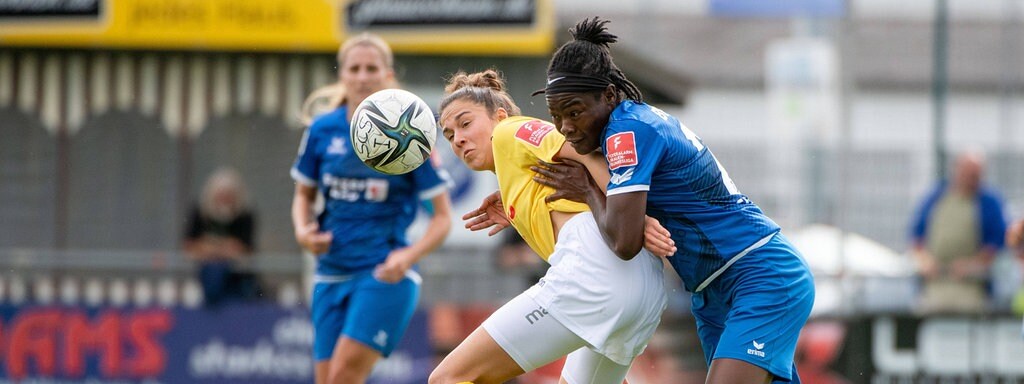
x,y
351,362
346,377
445,374
442,375
436,377
348,371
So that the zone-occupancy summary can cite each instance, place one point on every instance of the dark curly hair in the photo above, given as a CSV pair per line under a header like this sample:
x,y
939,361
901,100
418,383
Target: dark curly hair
x,y
589,54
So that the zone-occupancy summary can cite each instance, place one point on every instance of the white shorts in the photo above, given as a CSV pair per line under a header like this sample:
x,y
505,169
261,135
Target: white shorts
x,y
533,338
612,304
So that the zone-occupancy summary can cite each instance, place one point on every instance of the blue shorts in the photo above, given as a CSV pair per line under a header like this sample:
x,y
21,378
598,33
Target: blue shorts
x,y
364,309
754,311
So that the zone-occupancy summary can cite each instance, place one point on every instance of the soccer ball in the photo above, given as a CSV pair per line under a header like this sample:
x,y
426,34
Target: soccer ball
x,y
393,131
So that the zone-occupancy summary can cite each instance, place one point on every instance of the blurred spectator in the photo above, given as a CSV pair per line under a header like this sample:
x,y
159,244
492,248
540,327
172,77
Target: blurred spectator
x,y
958,230
1015,240
220,238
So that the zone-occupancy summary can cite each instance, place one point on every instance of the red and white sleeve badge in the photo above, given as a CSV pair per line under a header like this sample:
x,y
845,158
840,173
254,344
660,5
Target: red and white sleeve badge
x,y
621,149
533,132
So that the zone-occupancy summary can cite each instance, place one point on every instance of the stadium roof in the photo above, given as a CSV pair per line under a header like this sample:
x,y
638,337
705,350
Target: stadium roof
x,y
879,53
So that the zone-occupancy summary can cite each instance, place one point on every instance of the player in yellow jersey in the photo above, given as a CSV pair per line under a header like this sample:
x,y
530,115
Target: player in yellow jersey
x,y
591,305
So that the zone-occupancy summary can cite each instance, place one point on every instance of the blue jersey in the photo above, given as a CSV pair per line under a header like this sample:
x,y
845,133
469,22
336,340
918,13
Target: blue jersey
x,y
688,191
367,212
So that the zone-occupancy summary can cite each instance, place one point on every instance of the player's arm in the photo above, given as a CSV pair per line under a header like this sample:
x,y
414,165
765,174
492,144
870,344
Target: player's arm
x,y
393,269
490,214
302,206
307,231
621,220
631,229
596,165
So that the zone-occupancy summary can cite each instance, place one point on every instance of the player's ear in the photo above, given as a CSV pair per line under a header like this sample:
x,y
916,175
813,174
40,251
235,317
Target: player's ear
x,y
610,95
500,114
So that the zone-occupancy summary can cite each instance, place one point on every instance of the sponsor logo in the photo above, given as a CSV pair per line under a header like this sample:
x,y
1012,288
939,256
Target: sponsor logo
x,y
381,339
376,189
511,212
352,189
535,315
54,10
552,81
757,350
621,149
533,132
49,341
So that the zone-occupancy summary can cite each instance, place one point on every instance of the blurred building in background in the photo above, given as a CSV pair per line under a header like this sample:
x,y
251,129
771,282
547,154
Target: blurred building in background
x,y
832,115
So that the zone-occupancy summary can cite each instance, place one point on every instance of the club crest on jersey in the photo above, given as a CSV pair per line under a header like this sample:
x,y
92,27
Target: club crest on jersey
x,y
533,132
337,146
621,148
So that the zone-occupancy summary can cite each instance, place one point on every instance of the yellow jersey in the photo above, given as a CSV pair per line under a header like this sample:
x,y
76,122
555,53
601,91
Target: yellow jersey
x,y
518,142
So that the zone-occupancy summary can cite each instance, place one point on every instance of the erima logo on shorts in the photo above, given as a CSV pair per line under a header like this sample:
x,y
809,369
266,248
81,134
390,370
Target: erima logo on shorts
x,y
536,315
381,339
757,350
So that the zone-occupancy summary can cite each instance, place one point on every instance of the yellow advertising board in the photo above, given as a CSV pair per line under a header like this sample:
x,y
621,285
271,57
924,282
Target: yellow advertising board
x,y
497,27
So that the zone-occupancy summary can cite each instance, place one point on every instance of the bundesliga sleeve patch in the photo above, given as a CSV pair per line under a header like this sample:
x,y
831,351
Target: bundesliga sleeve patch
x,y
621,150
533,132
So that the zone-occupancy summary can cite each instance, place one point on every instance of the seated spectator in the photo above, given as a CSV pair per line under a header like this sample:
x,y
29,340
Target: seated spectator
x,y
219,237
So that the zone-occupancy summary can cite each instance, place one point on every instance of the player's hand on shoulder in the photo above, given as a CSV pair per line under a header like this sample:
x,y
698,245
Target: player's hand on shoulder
x,y
657,239
570,179
490,214
311,239
393,269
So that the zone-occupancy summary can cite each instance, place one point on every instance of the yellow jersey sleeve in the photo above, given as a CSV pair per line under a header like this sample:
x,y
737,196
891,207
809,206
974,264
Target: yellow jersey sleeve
x,y
519,143
527,139
543,141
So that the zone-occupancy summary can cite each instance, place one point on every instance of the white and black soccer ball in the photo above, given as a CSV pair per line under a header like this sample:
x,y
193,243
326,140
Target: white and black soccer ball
x,y
393,131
